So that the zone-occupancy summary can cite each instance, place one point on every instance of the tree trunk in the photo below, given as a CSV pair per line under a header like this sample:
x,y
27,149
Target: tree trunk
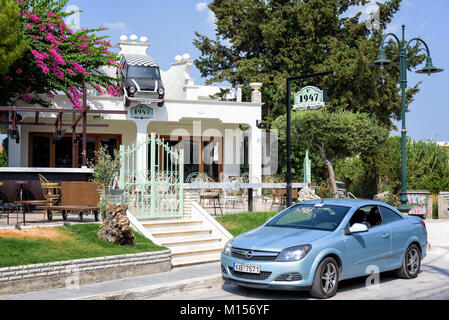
x,y
116,227
330,168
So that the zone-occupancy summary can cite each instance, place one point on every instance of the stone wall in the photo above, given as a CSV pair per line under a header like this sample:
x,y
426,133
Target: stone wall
x,y
45,276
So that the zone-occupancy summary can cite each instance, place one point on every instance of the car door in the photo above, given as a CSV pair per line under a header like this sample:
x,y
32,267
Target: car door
x,y
400,234
372,248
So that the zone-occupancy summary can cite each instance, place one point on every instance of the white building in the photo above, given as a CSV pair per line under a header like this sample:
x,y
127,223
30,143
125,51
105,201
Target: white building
x,y
189,118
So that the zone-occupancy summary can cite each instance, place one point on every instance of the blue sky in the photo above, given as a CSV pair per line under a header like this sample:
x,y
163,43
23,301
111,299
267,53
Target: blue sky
x,y
170,26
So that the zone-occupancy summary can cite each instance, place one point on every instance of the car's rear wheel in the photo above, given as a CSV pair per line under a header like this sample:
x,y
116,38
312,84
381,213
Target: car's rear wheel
x,y
326,279
411,264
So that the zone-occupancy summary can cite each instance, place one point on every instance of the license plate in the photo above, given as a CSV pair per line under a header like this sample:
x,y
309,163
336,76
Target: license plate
x,y
246,268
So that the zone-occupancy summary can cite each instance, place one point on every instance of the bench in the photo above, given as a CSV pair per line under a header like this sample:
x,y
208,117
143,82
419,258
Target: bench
x,y
76,197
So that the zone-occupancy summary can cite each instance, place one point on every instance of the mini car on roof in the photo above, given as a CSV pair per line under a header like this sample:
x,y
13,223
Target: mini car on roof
x,y
141,80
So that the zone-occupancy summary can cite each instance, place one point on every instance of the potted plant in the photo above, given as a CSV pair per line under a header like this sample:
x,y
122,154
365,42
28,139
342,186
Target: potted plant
x,y
105,170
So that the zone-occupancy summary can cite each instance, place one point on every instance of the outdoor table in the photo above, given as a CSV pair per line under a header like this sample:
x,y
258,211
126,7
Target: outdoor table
x,y
26,203
249,186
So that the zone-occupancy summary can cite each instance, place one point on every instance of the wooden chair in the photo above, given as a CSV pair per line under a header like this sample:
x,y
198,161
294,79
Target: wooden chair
x,y
209,194
51,190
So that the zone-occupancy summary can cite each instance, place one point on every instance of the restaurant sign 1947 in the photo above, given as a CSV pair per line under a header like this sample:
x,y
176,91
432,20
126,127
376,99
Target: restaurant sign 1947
x,y
310,98
141,111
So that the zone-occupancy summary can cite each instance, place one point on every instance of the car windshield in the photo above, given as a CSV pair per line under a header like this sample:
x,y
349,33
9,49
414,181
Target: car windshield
x,y
309,216
143,72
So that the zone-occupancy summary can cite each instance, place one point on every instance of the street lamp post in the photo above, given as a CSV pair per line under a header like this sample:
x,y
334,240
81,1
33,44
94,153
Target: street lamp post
x,y
429,69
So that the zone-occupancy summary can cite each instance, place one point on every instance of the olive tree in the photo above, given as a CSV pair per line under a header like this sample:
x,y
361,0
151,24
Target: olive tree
x,y
333,135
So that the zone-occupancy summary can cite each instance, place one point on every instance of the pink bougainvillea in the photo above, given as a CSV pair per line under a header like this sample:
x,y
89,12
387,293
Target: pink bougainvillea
x,y
59,58
34,18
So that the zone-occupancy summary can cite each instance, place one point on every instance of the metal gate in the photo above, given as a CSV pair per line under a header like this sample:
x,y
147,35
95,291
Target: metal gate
x,y
156,192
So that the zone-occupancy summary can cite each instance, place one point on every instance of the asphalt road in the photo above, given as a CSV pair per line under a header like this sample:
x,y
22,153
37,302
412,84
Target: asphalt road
x,y
431,284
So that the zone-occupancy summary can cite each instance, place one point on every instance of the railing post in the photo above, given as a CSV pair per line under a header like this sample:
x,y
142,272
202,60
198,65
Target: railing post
x,y
153,175
181,182
122,167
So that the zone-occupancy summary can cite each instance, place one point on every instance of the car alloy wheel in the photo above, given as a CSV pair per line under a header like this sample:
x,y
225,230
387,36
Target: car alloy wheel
x,y
329,278
326,279
413,263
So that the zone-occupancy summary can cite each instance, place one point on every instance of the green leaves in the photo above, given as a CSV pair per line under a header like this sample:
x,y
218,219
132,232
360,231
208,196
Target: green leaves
x,y
338,134
12,43
331,136
427,166
104,166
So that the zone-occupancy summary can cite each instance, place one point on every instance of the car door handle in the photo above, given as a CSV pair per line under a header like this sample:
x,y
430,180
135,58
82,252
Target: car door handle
x,y
386,235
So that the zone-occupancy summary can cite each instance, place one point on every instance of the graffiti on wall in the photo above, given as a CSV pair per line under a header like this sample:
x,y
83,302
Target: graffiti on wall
x,y
418,203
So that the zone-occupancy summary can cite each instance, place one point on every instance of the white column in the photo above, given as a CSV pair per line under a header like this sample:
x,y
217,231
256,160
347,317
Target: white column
x,y
15,151
255,153
142,152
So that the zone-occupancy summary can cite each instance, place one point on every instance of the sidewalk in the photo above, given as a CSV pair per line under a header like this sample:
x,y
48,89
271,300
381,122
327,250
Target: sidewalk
x,y
438,233
176,280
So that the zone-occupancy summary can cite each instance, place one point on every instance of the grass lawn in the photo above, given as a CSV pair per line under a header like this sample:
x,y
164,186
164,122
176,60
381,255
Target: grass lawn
x,y
237,224
62,243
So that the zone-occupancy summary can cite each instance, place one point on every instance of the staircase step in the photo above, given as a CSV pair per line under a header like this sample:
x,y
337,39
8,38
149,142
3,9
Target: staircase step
x,y
180,235
177,232
198,248
208,256
173,225
169,222
174,243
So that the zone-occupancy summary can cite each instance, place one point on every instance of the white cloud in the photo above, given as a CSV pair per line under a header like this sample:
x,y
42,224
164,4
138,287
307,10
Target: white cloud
x,y
201,6
211,18
120,26
392,28
423,25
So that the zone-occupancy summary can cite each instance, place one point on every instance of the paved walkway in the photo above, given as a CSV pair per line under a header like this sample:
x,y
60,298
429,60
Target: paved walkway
x,y
178,279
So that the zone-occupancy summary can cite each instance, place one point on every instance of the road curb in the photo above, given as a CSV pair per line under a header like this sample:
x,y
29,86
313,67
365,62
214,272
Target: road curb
x,y
158,290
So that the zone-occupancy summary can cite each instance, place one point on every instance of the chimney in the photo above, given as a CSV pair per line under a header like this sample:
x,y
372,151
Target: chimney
x,y
239,92
256,95
133,45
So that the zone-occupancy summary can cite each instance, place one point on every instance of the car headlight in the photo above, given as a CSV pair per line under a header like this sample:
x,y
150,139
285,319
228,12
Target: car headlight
x,y
161,91
227,248
132,90
294,254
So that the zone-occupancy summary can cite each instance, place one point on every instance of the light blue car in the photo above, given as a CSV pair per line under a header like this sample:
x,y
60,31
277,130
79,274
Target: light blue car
x,y
315,244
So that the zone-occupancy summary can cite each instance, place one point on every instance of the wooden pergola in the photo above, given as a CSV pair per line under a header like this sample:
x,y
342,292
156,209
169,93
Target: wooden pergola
x,y
79,119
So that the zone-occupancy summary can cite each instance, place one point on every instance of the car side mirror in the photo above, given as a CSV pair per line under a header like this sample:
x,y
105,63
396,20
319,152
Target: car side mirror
x,y
358,228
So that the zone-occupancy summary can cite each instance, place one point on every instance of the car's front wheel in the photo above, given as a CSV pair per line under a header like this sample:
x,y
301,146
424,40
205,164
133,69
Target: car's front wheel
x,y
411,263
326,279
